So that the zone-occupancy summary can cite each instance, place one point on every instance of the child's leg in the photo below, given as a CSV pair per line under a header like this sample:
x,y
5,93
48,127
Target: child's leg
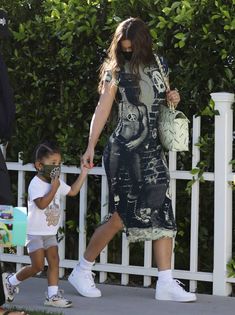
x,y
52,257
36,252
37,265
37,256
54,295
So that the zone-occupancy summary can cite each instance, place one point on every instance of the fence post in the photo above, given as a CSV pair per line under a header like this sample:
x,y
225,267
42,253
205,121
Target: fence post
x,y
20,203
194,230
61,246
222,191
104,212
82,220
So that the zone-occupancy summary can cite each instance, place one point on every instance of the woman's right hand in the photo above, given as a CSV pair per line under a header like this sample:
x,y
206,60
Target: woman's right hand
x,y
87,158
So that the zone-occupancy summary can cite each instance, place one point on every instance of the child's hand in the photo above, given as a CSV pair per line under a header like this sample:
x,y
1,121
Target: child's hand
x,y
84,169
55,183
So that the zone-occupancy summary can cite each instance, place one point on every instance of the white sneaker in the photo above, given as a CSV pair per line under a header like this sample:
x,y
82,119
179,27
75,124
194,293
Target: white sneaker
x,y
83,282
9,290
57,300
173,291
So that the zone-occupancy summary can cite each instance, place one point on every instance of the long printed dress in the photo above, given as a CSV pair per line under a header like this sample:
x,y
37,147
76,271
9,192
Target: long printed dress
x,y
134,161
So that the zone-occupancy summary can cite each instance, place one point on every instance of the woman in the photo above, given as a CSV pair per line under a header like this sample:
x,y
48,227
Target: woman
x,y
134,159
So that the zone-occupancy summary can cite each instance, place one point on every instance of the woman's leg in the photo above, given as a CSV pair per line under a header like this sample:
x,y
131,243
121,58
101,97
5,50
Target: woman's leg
x,y
162,250
102,236
81,277
167,288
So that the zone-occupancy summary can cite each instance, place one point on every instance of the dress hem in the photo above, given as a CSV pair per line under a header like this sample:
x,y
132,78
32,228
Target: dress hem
x,y
149,234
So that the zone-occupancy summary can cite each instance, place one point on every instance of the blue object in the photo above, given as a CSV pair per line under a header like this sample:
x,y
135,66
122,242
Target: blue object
x,y
19,226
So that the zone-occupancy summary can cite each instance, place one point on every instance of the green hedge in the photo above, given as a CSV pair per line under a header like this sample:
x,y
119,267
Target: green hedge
x,y
57,46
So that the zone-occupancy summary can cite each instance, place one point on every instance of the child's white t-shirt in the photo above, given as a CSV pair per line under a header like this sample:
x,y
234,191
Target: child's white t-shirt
x,y
44,221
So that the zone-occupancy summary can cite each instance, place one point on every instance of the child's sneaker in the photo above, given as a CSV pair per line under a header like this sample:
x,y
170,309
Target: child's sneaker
x,y
9,290
173,291
57,300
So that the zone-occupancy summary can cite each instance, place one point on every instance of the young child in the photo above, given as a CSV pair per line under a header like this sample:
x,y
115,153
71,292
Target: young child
x,y
44,214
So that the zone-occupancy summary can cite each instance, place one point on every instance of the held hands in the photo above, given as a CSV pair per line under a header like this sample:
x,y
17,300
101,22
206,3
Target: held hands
x,y
87,158
173,97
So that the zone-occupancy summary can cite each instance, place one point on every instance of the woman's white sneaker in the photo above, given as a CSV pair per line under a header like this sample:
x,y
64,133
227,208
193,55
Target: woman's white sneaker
x,y
83,282
173,291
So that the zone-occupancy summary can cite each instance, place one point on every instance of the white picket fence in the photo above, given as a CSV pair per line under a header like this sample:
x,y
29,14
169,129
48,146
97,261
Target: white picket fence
x,y
222,211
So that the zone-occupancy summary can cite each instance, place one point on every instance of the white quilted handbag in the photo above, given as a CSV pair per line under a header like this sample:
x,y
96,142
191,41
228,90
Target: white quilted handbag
x,y
173,125
173,129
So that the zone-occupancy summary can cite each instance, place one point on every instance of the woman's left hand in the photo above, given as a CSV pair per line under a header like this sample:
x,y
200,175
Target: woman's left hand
x,y
131,145
173,97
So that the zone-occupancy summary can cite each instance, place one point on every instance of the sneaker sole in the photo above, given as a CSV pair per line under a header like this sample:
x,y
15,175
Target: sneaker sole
x,y
182,300
71,280
60,306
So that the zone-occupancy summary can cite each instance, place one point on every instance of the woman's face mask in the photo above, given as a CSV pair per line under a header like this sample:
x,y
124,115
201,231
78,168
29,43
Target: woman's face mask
x,y
127,55
50,172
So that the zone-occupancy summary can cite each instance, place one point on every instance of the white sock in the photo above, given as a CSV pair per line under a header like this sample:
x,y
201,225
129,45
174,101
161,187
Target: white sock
x,y
13,280
52,290
85,264
164,276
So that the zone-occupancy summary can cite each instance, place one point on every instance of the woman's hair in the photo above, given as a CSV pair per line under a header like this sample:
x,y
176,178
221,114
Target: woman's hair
x,y
135,30
45,149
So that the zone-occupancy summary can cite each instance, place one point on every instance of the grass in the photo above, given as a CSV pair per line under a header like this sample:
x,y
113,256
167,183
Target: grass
x,y
37,312
43,313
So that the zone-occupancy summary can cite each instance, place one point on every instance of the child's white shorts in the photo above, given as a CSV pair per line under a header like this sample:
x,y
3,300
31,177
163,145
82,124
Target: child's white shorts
x,y
35,242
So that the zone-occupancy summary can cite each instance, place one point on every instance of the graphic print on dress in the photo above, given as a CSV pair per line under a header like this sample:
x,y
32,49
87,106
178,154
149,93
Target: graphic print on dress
x,y
154,194
138,176
130,133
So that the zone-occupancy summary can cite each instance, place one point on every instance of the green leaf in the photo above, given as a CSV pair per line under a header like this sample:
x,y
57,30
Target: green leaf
x,y
180,36
194,171
229,73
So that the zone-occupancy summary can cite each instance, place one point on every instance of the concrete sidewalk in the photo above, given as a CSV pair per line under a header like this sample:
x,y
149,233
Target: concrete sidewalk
x,y
120,300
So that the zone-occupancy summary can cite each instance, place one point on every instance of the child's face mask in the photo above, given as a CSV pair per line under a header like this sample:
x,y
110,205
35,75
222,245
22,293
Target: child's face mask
x,y
50,172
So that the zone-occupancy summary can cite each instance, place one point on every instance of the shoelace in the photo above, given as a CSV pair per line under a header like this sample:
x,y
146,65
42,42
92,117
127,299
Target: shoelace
x,y
90,277
58,295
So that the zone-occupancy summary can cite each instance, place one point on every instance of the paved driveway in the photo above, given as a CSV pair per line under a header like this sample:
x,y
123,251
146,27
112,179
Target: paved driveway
x,y
121,300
